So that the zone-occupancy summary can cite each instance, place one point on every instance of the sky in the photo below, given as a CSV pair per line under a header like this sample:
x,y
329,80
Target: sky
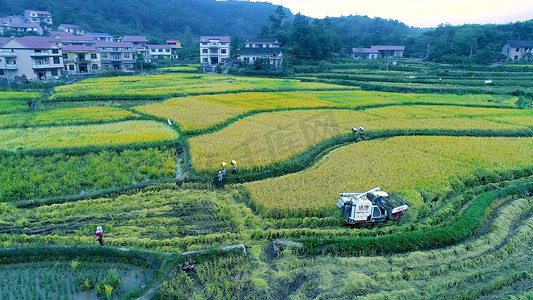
x,y
418,13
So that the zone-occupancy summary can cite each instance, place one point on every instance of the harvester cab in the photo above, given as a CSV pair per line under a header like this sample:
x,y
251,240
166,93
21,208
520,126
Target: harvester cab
x,y
371,206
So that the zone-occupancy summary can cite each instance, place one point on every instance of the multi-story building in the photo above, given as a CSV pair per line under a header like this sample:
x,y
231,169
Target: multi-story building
x,y
36,58
213,50
6,21
517,50
156,52
268,49
71,28
176,44
25,28
81,59
139,44
99,36
117,55
137,40
67,38
38,16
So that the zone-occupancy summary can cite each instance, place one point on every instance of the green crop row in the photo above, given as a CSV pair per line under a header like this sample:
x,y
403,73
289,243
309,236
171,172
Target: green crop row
x,y
30,177
68,116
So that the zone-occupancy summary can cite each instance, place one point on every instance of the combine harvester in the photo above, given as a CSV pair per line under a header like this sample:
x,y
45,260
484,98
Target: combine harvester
x,y
370,207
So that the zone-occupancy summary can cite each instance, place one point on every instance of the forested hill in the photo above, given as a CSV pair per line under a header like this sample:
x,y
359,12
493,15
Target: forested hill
x,y
155,18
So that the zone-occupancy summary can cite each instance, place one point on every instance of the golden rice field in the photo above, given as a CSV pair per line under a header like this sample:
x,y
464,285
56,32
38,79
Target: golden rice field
x,y
66,116
408,166
120,133
268,138
162,86
201,112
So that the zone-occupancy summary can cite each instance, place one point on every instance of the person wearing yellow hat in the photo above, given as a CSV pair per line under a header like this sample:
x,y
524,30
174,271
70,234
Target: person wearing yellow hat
x,y
224,164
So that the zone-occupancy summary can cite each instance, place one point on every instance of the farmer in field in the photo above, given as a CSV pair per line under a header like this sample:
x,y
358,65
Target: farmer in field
x,y
354,132
233,167
362,133
100,235
224,164
220,178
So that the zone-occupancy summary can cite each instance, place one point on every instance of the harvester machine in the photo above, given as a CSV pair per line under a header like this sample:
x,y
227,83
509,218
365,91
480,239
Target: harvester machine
x,y
371,206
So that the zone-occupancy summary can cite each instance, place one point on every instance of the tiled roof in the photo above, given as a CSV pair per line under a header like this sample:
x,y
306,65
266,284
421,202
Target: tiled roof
x,y
262,40
36,42
61,33
24,25
159,47
391,48
3,40
78,48
98,34
80,38
176,41
113,44
223,39
259,51
520,43
42,12
70,26
135,38
364,50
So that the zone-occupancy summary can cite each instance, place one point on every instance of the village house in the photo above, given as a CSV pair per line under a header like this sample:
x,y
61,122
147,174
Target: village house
x,y
375,52
67,38
6,21
81,59
268,49
117,55
25,28
156,52
176,44
364,53
265,48
36,58
213,50
99,36
71,28
38,17
517,50
136,40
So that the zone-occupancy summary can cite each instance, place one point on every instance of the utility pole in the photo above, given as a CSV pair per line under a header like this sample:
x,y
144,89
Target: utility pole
x,y
471,49
427,55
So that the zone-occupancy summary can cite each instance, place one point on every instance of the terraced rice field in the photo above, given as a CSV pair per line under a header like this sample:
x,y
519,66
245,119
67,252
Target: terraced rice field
x,y
199,113
462,163
122,133
164,86
269,138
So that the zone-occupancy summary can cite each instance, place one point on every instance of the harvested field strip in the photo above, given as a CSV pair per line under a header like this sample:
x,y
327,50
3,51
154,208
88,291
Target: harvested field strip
x,y
362,166
482,263
148,215
199,113
265,139
122,133
68,116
